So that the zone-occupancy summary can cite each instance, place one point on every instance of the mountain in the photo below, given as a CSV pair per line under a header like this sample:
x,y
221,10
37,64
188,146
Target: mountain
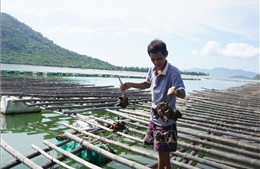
x,y
225,72
22,45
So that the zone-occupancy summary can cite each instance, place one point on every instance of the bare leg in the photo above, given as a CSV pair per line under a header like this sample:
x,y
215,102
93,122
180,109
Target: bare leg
x,y
164,160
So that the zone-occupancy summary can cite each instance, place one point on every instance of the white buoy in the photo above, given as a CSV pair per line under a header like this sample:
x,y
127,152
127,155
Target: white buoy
x,y
11,105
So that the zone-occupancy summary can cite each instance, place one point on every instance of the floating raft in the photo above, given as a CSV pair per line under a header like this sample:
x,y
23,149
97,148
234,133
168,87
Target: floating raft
x,y
62,74
218,129
69,74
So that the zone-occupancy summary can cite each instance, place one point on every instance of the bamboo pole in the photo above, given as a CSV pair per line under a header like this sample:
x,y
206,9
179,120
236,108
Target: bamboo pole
x,y
242,144
233,157
215,117
214,106
135,118
102,139
179,164
217,103
227,102
192,124
192,139
110,123
87,110
75,102
61,95
107,104
238,114
251,146
247,95
80,106
204,161
201,160
51,158
30,156
107,129
74,151
105,153
72,156
241,134
218,123
213,129
220,146
19,156
239,131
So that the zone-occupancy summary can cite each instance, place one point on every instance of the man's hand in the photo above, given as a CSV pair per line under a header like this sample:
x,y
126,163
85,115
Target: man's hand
x,y
125,86
172,91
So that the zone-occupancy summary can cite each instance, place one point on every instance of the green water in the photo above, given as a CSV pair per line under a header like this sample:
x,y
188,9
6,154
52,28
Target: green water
x,y
20,131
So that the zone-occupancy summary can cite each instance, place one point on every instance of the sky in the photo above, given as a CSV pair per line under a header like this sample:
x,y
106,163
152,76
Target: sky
x,y
198,33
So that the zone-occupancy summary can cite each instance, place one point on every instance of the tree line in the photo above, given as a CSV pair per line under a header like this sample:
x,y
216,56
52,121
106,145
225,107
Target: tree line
x,y
20,44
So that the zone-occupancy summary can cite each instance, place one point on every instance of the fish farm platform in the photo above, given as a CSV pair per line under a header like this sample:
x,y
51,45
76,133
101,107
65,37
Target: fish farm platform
x,y
218,128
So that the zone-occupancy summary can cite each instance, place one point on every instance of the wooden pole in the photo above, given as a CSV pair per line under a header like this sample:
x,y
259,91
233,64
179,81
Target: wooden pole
x,y
102,139
30,156
105,153
19,156
72,156
251,146
201,141
105,128
89,109
231,157
179,164
235,115
74,151
191,124
218,123
201,160
220,146
51,158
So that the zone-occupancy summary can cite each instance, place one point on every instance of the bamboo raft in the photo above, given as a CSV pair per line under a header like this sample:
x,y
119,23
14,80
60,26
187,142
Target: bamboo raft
x,y
218,129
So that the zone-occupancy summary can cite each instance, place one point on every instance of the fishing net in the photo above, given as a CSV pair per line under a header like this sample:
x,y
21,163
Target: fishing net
x,y
87,154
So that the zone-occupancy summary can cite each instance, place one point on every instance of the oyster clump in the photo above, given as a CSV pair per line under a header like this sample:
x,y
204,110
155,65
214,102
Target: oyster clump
x,y
118,126
122,101
166,112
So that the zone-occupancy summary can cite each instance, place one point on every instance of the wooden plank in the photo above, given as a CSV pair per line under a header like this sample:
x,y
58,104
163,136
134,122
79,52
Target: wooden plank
x,y
19,156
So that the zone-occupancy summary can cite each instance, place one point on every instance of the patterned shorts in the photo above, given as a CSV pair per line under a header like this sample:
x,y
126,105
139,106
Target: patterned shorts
x,y
163,138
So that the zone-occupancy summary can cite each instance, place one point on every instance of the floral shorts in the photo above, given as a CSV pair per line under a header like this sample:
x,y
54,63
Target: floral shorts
x,y
163,138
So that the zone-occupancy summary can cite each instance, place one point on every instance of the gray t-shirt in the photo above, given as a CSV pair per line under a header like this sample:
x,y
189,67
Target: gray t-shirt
x,y
159,87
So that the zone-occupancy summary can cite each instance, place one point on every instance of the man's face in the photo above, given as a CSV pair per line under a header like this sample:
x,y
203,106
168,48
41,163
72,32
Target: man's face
x,y
158,60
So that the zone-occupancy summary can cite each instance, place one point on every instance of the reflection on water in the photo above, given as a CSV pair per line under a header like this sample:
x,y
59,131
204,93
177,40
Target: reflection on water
x,y
22,130
19,122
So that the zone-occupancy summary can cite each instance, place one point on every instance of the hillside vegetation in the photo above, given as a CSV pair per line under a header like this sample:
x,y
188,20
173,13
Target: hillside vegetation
x,y
22,45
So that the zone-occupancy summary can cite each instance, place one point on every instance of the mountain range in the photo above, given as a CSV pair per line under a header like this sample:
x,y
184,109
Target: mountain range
x,y
22,45
225,72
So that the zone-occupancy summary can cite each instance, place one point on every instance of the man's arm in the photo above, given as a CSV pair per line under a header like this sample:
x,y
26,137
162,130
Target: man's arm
x,y
127,85
177,92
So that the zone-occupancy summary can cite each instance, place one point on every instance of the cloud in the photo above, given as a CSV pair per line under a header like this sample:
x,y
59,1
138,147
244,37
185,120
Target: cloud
x,y
181,18
236,50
